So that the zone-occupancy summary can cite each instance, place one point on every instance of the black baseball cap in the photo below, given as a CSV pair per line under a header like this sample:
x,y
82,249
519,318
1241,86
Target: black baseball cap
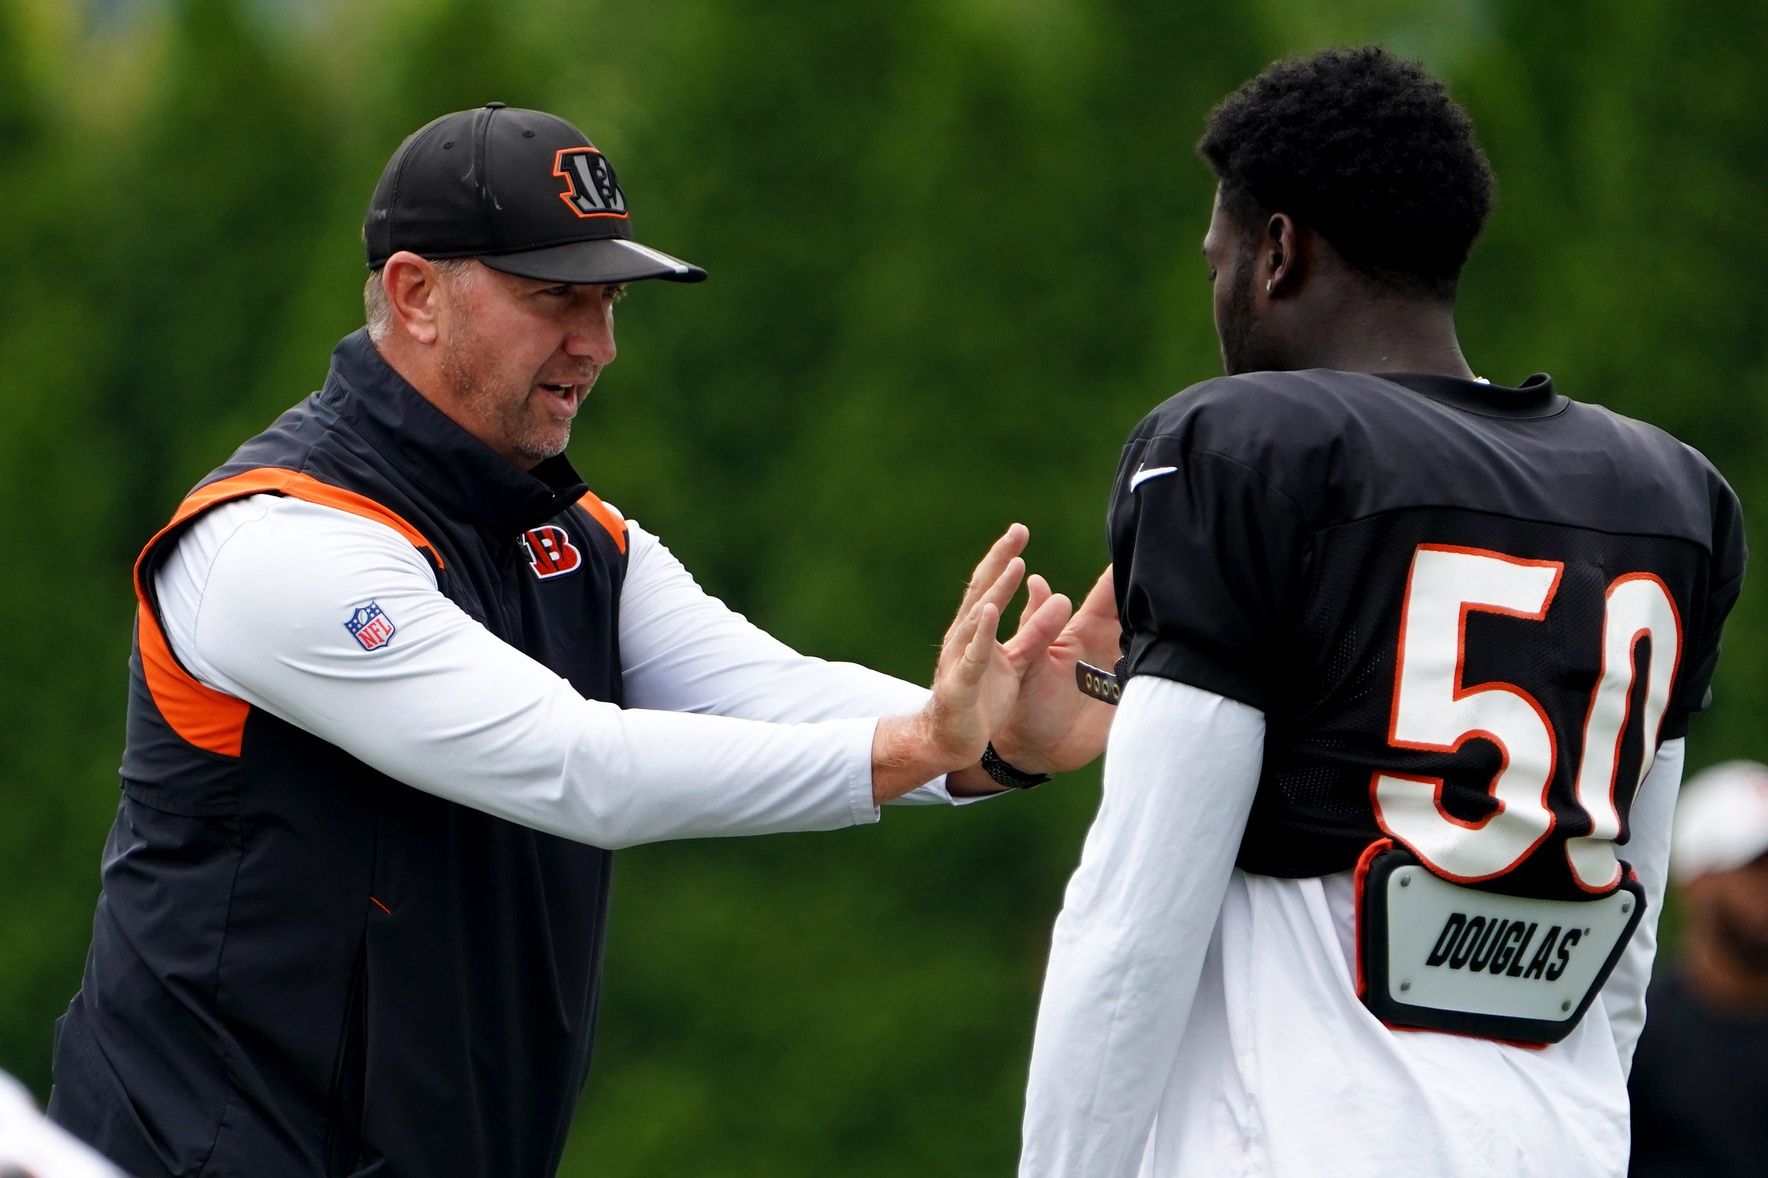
x,y
521,190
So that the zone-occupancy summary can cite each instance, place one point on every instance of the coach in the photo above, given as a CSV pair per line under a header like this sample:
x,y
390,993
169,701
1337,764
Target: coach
x,y
400,683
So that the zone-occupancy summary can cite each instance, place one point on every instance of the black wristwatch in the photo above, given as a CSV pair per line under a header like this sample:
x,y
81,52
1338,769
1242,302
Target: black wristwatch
x,y
1004,774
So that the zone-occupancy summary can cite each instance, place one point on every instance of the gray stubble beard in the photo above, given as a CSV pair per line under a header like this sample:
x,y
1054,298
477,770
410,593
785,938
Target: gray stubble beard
x,y
469,390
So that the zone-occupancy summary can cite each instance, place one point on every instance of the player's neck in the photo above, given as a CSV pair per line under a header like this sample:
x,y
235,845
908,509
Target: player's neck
x,y
1390,335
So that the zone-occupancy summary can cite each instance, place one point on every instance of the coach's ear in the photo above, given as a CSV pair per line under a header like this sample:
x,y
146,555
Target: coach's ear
x,y
413,288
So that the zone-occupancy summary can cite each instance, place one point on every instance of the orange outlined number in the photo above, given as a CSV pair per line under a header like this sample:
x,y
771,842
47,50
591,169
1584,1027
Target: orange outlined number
x,y
1435,710
1636,606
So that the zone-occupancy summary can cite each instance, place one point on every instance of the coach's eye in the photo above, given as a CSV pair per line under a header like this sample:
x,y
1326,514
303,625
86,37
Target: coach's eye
x,y
1212,275
556,291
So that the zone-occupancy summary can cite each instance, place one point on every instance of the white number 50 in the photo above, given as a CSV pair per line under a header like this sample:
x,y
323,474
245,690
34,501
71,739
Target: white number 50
x,y
1435,711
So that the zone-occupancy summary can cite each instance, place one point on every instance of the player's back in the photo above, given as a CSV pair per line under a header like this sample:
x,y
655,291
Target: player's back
x,y
1406,540
1470,615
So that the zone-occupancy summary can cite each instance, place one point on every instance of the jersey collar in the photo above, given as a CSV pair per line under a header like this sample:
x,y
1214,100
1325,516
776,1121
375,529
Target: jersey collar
x,y
431,449
1534,397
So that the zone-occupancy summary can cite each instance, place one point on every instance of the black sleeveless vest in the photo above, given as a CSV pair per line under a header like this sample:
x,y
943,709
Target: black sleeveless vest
x,y
300,966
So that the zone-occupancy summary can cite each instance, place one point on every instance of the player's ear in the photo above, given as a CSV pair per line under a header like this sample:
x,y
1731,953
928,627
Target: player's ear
x,y
413,288
1277,255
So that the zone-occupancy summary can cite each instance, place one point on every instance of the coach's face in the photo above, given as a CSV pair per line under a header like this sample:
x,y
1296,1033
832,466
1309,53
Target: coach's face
x,y
518,356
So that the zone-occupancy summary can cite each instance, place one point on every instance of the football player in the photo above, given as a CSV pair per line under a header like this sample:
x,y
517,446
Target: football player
x,y
1409,661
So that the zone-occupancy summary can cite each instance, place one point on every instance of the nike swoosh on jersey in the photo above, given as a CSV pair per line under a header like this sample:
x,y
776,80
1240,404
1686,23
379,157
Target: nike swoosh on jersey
x,y
1142,474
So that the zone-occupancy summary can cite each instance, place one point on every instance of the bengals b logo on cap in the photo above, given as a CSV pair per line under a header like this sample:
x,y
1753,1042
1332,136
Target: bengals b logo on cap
x,y
590,187
481,184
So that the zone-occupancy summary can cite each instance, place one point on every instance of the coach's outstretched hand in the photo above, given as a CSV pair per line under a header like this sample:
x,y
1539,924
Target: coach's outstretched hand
x,y
977,680
1052,727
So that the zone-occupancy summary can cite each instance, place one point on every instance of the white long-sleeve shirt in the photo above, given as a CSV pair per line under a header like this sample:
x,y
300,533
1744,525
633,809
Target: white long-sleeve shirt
x,y
727,731
1198,1020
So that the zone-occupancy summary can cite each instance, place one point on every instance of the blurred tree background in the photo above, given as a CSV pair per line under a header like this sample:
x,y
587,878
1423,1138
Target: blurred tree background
x,y
954,257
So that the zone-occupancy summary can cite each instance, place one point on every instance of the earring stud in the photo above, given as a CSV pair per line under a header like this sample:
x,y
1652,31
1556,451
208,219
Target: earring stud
x,y
1268,282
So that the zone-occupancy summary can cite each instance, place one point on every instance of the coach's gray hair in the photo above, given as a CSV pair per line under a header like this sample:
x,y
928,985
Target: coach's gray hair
x,y
377,313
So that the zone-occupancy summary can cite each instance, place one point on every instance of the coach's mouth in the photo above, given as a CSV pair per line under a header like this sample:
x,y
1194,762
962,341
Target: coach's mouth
x,y
565,398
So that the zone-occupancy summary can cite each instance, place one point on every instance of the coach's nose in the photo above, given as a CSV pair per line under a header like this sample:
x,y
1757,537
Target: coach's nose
x,y
591,336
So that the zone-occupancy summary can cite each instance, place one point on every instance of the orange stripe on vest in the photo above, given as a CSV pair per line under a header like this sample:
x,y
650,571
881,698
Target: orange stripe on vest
x,y
604,515
210,719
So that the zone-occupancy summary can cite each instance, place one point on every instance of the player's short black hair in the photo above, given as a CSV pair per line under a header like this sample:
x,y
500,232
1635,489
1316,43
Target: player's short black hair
x,y
1366,149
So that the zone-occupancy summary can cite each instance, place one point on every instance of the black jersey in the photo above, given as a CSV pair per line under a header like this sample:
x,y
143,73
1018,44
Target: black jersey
x,y
1469,613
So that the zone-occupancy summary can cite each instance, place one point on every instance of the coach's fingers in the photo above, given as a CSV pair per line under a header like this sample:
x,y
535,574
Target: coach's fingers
x,y
979,651
968,653
1005,585
957,636
1001,553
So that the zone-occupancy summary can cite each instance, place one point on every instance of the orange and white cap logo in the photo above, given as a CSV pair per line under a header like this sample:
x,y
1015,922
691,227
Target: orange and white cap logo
x,y
590,187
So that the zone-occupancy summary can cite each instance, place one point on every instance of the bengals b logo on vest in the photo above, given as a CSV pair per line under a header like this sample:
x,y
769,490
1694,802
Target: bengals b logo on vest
x,y
550,552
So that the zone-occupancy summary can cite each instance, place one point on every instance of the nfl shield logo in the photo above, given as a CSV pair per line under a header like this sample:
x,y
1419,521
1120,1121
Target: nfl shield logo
x,y
370,626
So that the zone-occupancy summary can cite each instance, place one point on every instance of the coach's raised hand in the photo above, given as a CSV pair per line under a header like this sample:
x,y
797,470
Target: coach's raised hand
x,y
977,679
1053,727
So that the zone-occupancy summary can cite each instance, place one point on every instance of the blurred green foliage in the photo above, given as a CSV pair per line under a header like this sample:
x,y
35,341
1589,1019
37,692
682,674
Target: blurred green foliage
x,y
953,247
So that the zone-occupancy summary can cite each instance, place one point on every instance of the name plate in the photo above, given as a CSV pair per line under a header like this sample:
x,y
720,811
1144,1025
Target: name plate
x,y
1445,957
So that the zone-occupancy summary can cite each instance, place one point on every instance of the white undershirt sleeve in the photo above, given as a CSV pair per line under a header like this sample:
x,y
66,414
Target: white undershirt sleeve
x,y
684,650
1647,852
1180,773
254,601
